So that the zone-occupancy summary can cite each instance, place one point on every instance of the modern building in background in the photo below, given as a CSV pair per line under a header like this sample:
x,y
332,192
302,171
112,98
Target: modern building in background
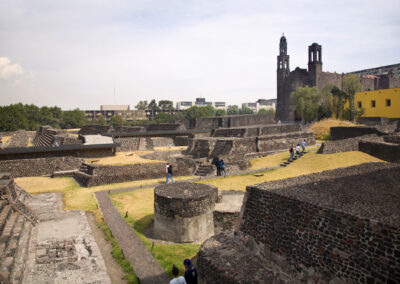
x,y
261,104
184,105
379,103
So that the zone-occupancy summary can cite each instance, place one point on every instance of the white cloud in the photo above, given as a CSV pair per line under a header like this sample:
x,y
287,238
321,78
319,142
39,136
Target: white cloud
x,y
8,70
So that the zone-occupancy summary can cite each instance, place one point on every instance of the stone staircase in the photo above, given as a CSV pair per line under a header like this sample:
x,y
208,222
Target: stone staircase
x,y
145,143
288,162
16,222
221,147
204,170
44,136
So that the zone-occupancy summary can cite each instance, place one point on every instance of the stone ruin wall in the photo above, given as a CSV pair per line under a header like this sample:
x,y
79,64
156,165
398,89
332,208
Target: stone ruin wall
x,y
39,166
389,152
343,145
18,139
283,141
347,246
343,132
98,175
127,143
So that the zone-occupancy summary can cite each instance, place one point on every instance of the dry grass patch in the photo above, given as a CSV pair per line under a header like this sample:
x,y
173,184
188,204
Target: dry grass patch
x,y
125,158
308,164
5,140
321,129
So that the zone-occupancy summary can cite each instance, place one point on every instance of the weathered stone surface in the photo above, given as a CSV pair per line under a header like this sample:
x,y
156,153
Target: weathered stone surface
x,y
39,166
389,152
183,212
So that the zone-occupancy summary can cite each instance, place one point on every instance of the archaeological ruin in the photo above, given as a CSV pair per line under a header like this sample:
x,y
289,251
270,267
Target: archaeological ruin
x,y
340,225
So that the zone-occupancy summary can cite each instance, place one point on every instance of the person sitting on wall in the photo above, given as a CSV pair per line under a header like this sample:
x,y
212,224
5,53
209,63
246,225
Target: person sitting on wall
x,y
222,167
190,273
303,145
177,280
298,149
169,174
291,153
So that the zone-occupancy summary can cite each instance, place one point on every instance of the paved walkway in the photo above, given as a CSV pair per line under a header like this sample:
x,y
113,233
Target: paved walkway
x,y
146,268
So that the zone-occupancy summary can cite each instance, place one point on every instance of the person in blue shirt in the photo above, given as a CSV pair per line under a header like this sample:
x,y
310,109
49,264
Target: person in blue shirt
x,y
303,145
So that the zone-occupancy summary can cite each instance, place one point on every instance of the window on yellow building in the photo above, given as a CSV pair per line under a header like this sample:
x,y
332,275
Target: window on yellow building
x,y
359,104
373,103
388,103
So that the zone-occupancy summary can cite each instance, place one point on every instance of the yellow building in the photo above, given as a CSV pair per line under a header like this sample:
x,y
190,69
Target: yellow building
x,y
379,103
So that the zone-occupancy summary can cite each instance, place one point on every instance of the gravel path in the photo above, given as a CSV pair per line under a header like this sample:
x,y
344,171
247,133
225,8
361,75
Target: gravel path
x,y
146,268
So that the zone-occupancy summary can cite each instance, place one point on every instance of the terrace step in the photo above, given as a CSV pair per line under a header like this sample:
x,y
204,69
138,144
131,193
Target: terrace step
x,y
69,173
204,170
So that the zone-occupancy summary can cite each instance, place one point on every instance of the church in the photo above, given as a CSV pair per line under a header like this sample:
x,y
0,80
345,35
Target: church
x,y
288,81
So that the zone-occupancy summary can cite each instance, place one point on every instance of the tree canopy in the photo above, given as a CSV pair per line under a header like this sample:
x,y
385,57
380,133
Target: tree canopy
x,y
196,111
142,105
233,110
306,101
351,84
166,105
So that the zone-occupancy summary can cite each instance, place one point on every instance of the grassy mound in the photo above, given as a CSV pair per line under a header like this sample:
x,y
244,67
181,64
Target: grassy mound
x,y
322,128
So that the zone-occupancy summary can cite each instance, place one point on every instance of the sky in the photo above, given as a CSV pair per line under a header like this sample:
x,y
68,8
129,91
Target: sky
x,y
83,54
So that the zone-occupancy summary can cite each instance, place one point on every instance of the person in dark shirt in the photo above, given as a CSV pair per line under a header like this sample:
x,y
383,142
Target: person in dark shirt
x,y
190,272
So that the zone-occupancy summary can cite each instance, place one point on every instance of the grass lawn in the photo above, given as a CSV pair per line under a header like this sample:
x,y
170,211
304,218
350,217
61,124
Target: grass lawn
x,y
273,160
321,129
140,207
308,164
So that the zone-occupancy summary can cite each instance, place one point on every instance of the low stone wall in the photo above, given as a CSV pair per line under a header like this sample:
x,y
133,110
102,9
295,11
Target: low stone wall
x,y
344,145
98,174
164,127
344,132
283,141
39,166
94,129
209,123
344,222
127,144
385,151
162,141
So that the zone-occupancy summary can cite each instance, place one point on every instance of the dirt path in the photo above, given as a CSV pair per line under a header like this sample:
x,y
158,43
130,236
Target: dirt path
x,y
146,268
114,270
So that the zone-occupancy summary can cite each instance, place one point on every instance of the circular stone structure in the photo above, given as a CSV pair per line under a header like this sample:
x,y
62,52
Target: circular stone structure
x,y
183,212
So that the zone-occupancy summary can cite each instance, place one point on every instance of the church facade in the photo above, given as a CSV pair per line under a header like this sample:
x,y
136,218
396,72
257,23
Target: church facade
x,y
288,81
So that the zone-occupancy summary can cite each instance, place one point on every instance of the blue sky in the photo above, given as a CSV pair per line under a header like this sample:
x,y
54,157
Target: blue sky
x,y
74,53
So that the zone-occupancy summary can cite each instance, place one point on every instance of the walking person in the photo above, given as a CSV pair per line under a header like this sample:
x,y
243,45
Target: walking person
x,y
298,149
222,165
190,273
169,174
303,145
218,167
177,280
291,153
166,172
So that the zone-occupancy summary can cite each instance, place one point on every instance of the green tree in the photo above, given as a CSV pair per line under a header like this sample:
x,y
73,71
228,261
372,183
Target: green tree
x,y
73,119
351,84
246,110
142,105
306,100
266,111
13,117
220,112
339,99
325,109
196,111
101,120
116,120
153,105
233,110
164,118
166,105
180,115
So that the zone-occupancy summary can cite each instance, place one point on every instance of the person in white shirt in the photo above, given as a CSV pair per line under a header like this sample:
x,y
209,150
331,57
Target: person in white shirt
x,y
298,149
177,280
